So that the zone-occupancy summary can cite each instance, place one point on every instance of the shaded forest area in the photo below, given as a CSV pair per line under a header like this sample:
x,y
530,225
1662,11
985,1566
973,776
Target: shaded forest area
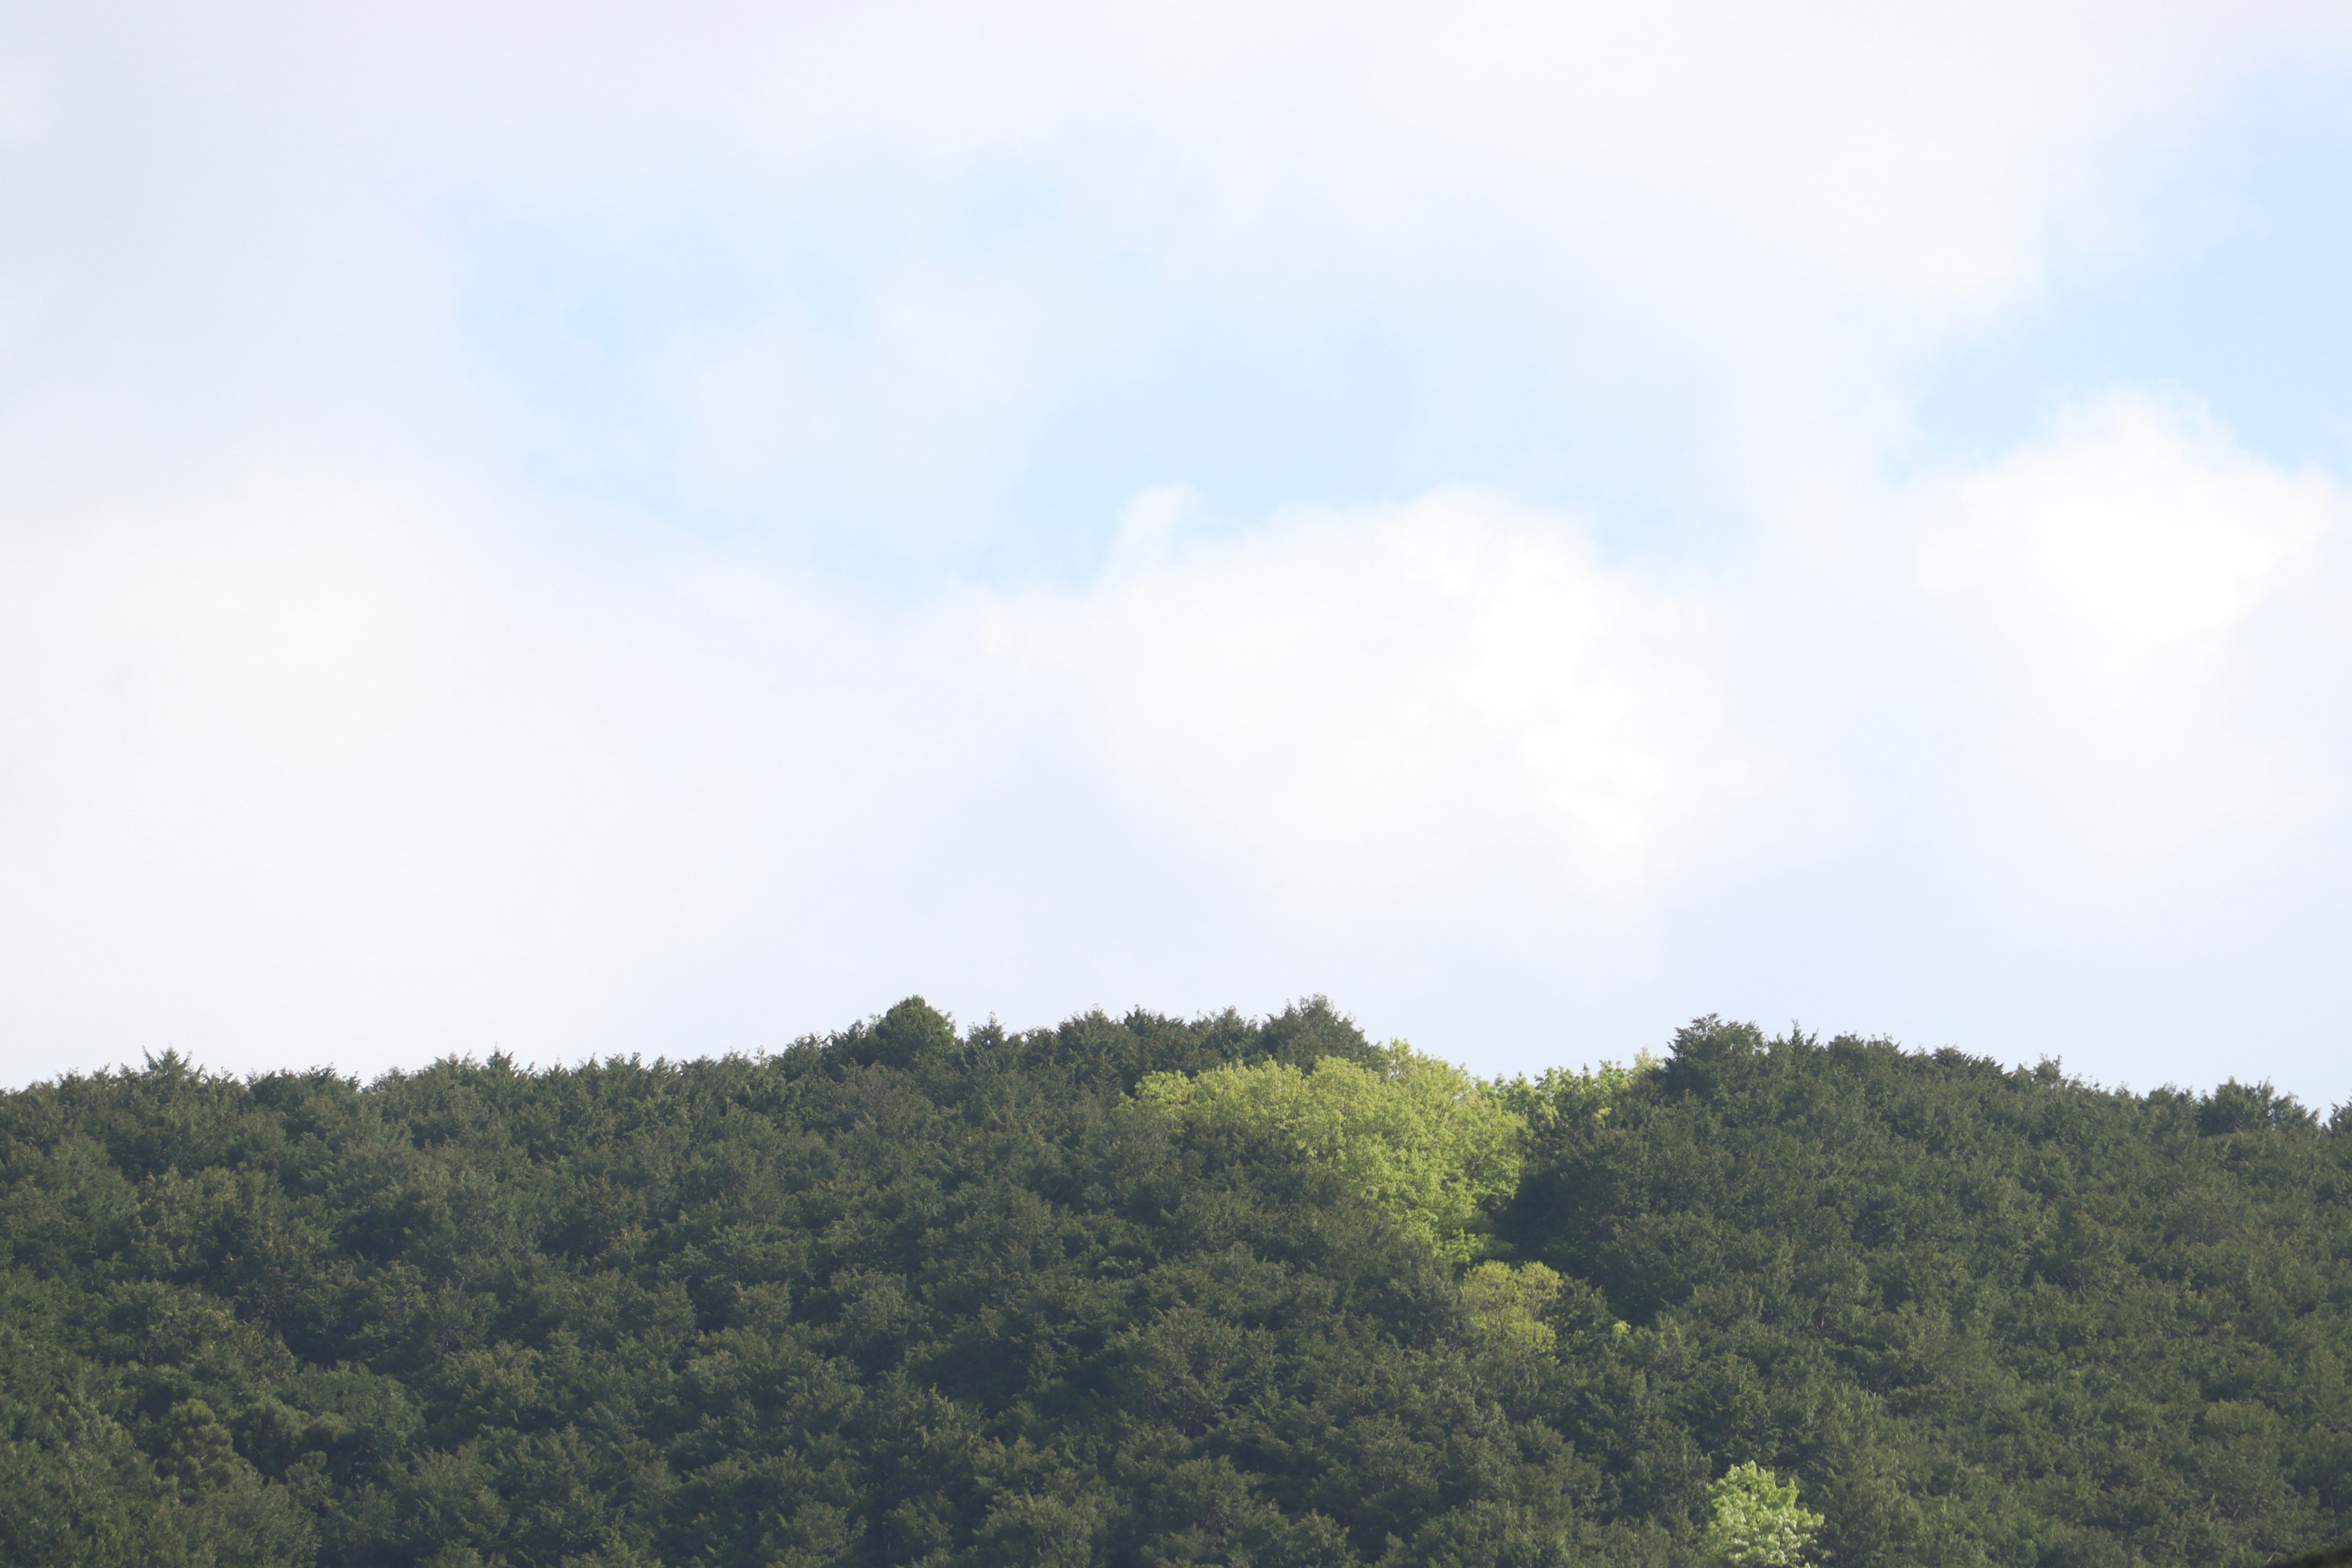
x,y
910,1296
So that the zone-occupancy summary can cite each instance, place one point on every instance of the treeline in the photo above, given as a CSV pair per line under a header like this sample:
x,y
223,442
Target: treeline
x,y
1153,1292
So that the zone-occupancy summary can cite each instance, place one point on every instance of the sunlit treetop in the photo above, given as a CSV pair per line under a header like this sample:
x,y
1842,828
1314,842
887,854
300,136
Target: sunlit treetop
x,y
1429,1143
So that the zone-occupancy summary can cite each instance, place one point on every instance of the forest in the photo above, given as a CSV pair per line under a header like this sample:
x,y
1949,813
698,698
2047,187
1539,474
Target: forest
x,y
1152,1292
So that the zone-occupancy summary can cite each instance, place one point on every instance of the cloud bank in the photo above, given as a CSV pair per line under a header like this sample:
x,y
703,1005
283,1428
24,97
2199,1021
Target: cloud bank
x,y
600,532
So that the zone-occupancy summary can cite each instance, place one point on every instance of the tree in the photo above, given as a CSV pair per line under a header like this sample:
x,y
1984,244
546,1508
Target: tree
x,y
1509,1304
1754,1520
1417,1136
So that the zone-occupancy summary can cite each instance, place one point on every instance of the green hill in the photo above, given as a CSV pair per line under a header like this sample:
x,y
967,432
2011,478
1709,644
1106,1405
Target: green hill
x,y
906,1296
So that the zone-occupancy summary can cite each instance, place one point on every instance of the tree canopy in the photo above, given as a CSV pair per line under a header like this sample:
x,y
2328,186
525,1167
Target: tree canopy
x,y
1419,1138
1754,1520
1144,1291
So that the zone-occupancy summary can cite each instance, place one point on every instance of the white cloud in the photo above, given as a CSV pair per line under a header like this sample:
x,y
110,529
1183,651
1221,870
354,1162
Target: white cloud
x,y
296,766
275,769
327,735
300,772
2109,572
1820,172
1365,700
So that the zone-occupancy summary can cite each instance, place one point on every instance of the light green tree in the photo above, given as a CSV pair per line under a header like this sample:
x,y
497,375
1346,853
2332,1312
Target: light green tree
x,y
1509,1303
1562,1094
1756,1521
1414,1134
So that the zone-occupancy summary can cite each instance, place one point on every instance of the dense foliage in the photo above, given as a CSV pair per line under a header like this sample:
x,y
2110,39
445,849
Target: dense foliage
x,y
906,1296
1415,1136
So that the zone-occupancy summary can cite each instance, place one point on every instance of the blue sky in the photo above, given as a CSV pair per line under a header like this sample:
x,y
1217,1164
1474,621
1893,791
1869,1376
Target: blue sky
x,y
662,531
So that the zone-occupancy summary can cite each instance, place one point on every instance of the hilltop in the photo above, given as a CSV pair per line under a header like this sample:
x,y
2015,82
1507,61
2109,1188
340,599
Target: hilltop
x,y
1153,1291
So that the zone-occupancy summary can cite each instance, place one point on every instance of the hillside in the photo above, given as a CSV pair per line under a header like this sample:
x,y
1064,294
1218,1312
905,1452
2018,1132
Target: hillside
x,y
910,1296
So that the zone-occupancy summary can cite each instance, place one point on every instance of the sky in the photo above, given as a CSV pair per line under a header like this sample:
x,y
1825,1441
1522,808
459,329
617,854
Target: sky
x,y
604,529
